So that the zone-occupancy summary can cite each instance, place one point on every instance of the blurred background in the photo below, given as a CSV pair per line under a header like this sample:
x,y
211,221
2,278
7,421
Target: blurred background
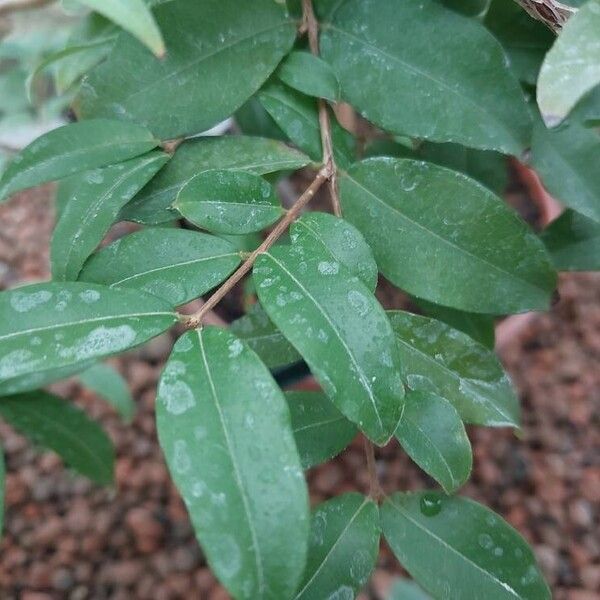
x,y
67,538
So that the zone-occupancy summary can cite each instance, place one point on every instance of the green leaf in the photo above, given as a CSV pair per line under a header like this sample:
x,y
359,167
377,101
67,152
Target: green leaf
x,y
344,544
587,110
56,424
72,149
97,198
341,240
224,427
320,429
256,329
479,327
297,115
174,264
425,83
436,358
567,161
254,155
456,548
572,67
524,39
573,242
253,119
310,75
443,237
234,202
469,8
339,328
51,330
108,383
404,589
219,53
133,16
433,435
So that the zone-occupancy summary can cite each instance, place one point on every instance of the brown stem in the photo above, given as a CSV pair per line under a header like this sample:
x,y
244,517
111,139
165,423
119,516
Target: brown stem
x,y
21,5
312,27
375,490
323,175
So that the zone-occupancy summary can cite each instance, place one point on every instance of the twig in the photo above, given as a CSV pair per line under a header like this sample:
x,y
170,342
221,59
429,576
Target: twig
x,y
22,5
375,490
312,27
196,319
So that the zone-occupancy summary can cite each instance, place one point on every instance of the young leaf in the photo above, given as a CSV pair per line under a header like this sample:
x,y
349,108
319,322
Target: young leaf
x,y
344,544
254,155
339,328
72,149
425,82
97,199
433,435
256,329
51,330
234,202
567,161
220,53
310,75
342,240
224,427
573,242
456,548
133,16
404,589
320,429
297,115
572,67
443,237
174,264
56,424
108,383
436,358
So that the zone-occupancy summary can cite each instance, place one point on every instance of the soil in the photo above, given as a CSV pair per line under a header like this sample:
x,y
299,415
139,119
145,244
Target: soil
x,y
65,538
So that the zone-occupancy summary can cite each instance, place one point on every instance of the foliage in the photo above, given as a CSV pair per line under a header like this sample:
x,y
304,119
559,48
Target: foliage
x,y
438,93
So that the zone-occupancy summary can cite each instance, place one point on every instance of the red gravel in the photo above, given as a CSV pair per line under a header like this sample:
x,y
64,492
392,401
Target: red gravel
x,y
66,538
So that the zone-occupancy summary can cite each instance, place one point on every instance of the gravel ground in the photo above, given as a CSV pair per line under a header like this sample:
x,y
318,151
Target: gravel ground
x,y
66,538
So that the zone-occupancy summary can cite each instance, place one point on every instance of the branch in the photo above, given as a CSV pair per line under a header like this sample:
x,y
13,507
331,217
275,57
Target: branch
x,y
196,319
312,27
375,490
22,5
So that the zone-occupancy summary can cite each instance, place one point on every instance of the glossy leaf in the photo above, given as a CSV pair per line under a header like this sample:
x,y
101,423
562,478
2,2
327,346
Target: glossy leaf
x,y
224,427
52,330
404,589
479,327
254,155
310,75
174,264
108,383
469,8
436,358
524,39
297,115
133,16
253,119
339,328
344,544
257,330
341,240
443,237
433,435
321,431
573,242
567,161
60,426
72,149
97,198
572,67
425,82
219,53
477,554
234,202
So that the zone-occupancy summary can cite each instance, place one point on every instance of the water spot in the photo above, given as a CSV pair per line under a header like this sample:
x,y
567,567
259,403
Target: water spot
x,y
485,541
359,302
342,593
23,302
181,458
198,488
235,348
498,551
430,505
218,498
227,557
177,396
95,177
200,432
318,528
100,342
328,268
90,296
